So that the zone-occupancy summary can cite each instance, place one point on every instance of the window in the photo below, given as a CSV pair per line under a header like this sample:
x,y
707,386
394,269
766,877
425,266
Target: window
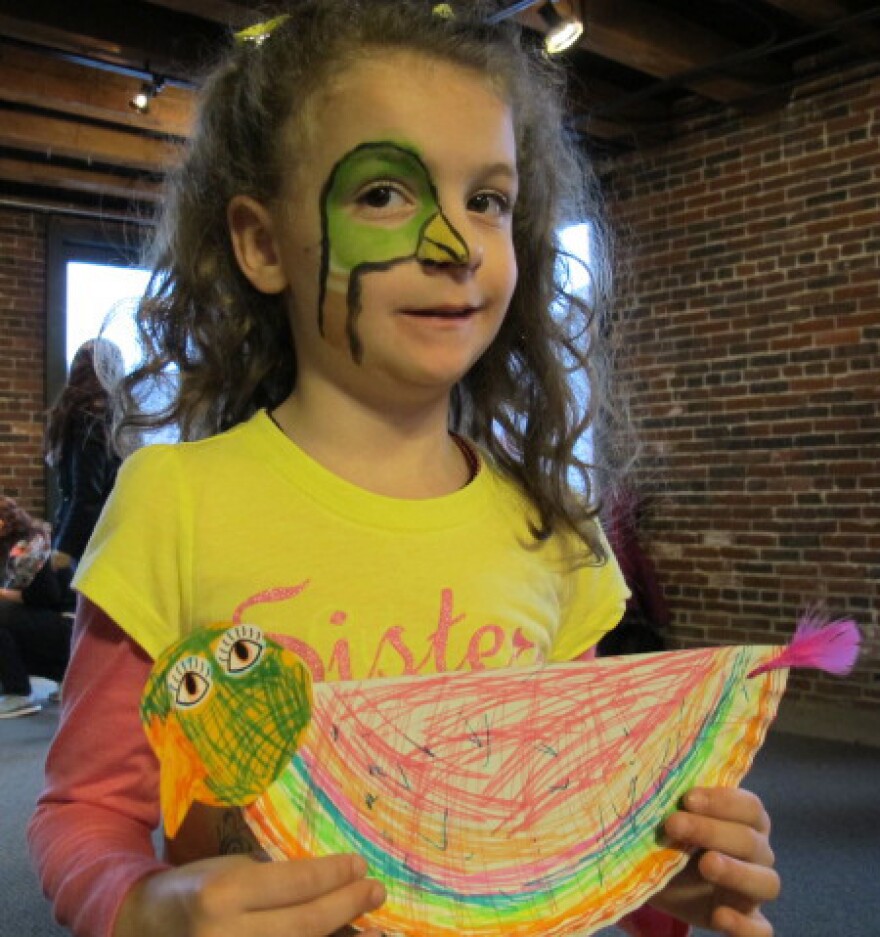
x,y
92,271
100,299
77,295
576,239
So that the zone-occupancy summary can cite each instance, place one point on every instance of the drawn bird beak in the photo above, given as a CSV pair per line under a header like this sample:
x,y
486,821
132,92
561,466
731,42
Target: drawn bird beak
x,y
440,243
182,773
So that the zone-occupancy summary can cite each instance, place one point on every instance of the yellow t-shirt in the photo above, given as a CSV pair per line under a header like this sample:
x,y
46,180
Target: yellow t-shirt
x,y
246,527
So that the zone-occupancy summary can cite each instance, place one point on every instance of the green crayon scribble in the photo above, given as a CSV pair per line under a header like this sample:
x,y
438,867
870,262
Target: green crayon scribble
x,y
269,702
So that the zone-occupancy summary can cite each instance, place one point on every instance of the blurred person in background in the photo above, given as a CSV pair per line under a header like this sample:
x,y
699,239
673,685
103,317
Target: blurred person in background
x,y
78,447
36,602
36,610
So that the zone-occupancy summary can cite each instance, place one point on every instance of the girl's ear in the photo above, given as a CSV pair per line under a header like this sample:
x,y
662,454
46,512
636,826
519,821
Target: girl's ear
x,y
256,248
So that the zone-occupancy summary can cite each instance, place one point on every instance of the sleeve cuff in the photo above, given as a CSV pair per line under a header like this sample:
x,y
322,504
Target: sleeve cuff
x,y
649,922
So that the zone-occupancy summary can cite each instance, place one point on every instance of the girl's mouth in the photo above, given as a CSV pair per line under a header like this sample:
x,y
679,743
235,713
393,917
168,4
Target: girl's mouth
x,y
443,312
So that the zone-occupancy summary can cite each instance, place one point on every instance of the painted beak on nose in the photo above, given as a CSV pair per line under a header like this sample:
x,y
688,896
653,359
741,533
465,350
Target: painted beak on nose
x,y
440,243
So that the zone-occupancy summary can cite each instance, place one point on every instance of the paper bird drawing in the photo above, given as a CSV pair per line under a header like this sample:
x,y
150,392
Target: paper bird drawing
x,y
517,802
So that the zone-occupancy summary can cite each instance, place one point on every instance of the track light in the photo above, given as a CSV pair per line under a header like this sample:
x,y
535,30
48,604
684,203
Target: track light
x,y
149,89
563,29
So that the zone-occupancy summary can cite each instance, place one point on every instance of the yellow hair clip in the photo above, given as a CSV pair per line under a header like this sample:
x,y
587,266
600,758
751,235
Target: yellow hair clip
x,y
260,33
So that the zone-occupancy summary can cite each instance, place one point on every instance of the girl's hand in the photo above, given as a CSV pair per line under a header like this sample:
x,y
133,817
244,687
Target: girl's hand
x,y
726,881
236,895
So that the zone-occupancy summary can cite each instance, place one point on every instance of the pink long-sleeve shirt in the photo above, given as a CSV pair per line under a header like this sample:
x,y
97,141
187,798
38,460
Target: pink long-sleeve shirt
x,y
91,834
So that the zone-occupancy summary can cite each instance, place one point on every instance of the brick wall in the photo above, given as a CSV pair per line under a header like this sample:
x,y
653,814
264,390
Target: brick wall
x,y
22,356
749,315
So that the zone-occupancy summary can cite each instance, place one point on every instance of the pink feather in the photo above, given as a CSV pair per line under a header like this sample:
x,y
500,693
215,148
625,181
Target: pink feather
x,y
820,645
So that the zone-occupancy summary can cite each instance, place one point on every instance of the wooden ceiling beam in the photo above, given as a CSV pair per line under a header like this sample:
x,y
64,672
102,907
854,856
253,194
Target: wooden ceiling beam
x,y
610,100
53,84
865,35
218,11
812,11
642,37
49,202
601,129
73,42
52,176
89,143
134,35
599,109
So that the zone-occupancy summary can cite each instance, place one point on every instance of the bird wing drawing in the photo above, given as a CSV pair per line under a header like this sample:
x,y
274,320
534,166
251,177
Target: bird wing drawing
x,y
516,802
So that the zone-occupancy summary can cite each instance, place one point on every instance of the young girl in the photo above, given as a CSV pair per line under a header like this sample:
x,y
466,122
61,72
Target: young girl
x,y
354,283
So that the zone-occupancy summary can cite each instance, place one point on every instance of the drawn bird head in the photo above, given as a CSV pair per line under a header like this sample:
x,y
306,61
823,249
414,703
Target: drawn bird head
x,y
352,247
425,234
224,709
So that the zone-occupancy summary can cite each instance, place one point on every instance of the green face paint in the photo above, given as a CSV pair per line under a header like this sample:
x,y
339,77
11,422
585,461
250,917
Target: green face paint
x,y
352,247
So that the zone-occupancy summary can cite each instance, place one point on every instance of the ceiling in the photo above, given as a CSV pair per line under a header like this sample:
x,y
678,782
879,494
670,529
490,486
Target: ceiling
x,y
69,140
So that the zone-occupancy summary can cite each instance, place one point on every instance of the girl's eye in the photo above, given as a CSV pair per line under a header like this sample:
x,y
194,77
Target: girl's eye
x,y
240,649
491,203
381,196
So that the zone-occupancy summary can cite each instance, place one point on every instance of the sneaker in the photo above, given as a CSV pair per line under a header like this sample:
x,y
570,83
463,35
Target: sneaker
x,y
12,706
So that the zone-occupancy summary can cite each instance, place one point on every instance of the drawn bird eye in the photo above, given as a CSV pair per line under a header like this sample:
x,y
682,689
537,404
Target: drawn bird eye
x,y
189,681
240,649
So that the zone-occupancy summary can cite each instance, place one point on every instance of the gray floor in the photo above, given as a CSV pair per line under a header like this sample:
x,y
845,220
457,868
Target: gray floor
x,y
824,798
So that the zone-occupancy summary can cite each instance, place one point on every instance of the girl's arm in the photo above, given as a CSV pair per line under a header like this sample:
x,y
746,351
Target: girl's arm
x,y
91,840
90,836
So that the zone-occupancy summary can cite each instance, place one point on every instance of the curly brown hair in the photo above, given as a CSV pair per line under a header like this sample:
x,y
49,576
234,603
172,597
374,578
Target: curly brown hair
x,y
96,367
228,348
15,524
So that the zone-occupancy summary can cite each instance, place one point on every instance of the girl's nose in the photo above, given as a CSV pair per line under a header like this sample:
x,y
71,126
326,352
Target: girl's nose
x,y
440,243
475,261
463,266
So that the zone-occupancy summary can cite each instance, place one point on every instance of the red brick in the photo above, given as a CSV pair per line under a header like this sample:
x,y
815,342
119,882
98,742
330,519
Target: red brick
x,y
22,367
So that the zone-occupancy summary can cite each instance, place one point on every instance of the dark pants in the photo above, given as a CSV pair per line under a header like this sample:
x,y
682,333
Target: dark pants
x,y
33,641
